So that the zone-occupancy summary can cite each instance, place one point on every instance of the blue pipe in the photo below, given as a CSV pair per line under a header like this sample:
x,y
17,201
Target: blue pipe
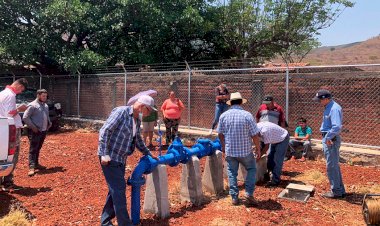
x,y
176,154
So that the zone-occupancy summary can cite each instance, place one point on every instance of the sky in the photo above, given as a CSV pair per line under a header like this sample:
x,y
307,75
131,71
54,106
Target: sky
x,y
358,23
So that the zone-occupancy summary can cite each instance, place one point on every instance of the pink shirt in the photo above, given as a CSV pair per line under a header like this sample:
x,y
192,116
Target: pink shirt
x,y
172,110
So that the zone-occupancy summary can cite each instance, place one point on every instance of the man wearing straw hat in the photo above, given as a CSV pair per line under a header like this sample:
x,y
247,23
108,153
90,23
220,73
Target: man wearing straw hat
x,y
236,130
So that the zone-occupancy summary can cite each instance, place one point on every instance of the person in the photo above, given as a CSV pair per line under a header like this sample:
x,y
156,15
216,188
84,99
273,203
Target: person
x,y
236,131
331,128
270,111
8,109
36,117
118,138
221,97
172,109
278,138
149,122
302,136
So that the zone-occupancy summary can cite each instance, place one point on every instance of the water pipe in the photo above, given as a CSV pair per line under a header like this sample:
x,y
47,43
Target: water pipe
x,y
176,154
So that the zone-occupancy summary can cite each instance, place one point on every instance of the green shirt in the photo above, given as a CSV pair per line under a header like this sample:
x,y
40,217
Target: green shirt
x,y
152,117
303,132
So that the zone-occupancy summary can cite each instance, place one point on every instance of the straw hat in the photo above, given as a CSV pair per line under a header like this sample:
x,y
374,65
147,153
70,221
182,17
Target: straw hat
x,y
236,96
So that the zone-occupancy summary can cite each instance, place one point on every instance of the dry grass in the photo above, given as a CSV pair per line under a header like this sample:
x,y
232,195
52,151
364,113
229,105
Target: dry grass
x,y
312,177
366,189
16,217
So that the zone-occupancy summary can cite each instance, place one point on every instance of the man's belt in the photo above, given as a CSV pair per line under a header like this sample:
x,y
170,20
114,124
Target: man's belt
x,y
325,133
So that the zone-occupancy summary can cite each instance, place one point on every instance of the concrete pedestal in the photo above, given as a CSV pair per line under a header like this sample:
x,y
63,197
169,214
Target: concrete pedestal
x,y
156,199
191,182
212,178
261,169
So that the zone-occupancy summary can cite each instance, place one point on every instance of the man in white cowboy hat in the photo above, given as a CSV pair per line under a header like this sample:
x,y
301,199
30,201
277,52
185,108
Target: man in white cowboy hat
x,y
236,130
118,138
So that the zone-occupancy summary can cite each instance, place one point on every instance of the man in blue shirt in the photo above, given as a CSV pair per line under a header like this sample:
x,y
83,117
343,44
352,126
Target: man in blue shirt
x,y
302,136
118,138
236,130
331,128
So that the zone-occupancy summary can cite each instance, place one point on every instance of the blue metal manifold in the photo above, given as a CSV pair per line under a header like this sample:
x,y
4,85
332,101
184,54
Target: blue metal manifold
x,y
176,154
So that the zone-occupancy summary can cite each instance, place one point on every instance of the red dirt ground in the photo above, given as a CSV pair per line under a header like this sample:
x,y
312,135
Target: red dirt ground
x,y
72,191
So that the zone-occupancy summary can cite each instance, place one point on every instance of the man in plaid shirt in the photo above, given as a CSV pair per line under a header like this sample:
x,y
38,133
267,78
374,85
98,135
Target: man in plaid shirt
x,y
118,138
236,130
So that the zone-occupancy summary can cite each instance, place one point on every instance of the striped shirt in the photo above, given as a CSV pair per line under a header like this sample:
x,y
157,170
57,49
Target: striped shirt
x,y
238,128
116,136
271,133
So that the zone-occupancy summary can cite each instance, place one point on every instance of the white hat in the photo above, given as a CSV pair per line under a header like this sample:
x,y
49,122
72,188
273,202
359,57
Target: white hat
x,y
236,96
147,101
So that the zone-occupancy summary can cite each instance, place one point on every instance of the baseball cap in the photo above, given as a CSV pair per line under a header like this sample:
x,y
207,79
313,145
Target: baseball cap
x,y
147,101
267,99
322,94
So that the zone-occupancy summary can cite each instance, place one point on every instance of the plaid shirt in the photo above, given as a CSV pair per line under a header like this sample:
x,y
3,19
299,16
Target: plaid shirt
x,y
238,128
116,136
271,133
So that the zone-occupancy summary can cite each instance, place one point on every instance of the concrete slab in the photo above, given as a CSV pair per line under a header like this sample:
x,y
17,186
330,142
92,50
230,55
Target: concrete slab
x,y
156,198
212,178
191,182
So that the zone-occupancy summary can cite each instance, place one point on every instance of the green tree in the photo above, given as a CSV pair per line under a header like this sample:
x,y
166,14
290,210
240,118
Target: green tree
x,y
72,35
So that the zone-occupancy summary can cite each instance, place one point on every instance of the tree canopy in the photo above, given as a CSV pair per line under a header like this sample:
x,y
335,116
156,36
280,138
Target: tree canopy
x,y
72,35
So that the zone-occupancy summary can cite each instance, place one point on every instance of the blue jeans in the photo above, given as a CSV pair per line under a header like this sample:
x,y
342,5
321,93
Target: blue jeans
x,y
116,202
249,163
276,159
219,109
332,165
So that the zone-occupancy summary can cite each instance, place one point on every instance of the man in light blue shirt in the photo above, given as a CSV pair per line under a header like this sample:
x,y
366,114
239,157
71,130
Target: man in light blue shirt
x,y
236,130
330,129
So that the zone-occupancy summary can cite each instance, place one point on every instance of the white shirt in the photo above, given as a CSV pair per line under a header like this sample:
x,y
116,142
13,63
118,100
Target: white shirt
x,y
271,133
7,104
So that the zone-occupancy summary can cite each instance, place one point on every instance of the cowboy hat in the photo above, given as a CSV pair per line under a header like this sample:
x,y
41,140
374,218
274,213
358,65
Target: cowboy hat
x,y
236,96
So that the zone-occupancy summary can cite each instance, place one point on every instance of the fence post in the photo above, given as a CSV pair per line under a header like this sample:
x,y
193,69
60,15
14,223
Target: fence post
x,y
188,97
287,95
78,100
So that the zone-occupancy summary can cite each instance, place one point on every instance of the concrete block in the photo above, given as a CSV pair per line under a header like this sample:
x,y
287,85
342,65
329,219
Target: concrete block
x,y
191,182
261,169
212,178
156,198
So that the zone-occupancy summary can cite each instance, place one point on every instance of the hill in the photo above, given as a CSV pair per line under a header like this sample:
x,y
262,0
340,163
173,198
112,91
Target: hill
x,y
366,52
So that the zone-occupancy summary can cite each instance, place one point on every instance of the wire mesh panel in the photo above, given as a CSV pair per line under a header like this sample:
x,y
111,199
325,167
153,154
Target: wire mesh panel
x,y
356,89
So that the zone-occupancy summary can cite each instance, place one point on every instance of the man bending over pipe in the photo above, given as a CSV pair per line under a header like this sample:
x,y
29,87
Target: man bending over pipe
x,y
117,139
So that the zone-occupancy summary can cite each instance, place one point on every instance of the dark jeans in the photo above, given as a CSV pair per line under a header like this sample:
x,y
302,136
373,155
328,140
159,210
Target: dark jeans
x,y
36,140
219,109
171,129
9,179
116,201
276,159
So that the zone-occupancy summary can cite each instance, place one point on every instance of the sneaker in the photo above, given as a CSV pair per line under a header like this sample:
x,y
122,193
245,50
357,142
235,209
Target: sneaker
x,y
271,184
250,200
31,172
303,159
10,187
235,201
331,195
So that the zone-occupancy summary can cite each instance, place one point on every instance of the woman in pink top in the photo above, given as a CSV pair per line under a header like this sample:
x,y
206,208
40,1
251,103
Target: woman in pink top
x,y
172,110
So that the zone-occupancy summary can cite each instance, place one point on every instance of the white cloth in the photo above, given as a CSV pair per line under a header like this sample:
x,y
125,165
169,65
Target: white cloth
x,y
7,104
134,128
271,133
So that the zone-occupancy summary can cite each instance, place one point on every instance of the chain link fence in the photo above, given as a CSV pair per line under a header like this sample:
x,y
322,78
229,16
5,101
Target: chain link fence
x,y
355,87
